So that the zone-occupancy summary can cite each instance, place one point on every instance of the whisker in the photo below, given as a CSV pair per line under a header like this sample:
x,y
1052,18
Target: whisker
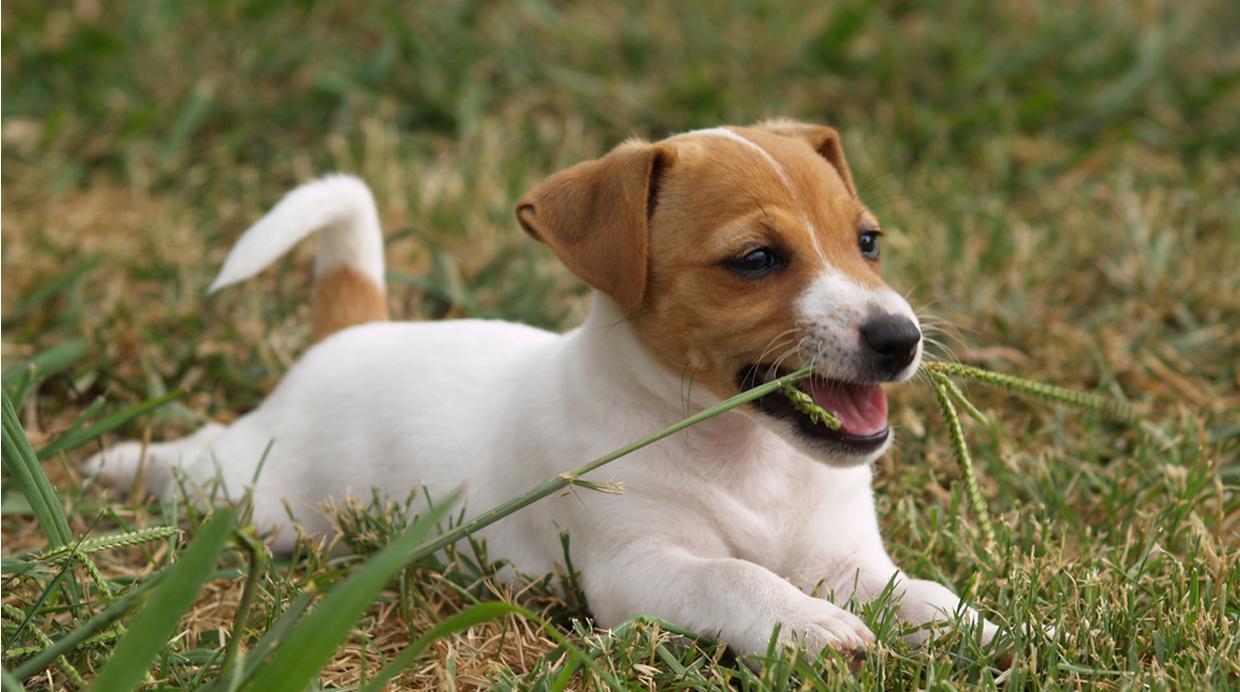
x,y
685,397
943,350
774,369
775,341
933,324
689,397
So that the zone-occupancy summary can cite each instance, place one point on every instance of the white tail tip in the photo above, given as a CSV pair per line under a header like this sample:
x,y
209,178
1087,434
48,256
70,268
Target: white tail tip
x,y
340,205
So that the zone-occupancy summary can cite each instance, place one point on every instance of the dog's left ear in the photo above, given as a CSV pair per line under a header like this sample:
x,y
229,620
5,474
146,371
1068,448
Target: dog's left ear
x,y
825,140
596,217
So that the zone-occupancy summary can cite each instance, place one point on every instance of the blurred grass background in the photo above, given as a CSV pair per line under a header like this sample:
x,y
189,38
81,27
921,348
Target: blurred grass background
x,y
1058,182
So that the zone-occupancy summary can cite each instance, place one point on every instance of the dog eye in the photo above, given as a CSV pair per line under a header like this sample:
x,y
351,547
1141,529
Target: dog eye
x,y
869,245
755,263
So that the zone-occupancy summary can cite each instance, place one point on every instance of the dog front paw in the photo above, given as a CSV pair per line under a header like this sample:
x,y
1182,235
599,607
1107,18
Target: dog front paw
x,y
824,625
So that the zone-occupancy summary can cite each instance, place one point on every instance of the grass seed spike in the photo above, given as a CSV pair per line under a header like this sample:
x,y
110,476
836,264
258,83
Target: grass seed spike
x,y
804,403
946,392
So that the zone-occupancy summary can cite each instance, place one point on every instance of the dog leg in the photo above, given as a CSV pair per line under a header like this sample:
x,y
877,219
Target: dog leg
x,y
926,602
119,464
738,601
921,601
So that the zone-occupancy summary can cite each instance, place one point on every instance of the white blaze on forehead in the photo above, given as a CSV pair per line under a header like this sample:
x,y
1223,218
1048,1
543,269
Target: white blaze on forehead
x,y
779,171
766,155
813,239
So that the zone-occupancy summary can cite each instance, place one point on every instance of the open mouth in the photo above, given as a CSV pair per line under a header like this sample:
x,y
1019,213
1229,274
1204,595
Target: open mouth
x,y
859,408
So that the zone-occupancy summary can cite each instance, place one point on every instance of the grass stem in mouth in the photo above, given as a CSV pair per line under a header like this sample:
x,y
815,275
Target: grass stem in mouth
x,y
803,402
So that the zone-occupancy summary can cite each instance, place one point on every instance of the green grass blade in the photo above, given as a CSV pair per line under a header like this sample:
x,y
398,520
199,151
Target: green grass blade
x,y
24,467
151,628
257,653
15,567
18,384
63,663
19,378
561,681
474,615
92,627
50,290
310,644
77,438
586,660
258,565
87,414
49,589
10,682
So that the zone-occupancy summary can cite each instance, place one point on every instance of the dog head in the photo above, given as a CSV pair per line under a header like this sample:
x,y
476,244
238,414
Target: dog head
x,y
740,254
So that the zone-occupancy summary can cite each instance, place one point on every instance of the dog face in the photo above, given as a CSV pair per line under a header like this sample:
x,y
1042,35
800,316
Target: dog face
x,y
741,254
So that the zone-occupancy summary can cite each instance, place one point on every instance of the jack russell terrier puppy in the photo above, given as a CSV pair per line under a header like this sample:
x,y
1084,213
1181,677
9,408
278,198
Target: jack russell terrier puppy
x,y
720,258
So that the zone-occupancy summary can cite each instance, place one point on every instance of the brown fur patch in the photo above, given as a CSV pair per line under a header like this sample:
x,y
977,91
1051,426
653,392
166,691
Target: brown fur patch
x,y
594,215
720,199
344,297
654,226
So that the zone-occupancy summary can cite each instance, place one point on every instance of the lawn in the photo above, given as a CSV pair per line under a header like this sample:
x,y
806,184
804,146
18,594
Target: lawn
x,y
1060,189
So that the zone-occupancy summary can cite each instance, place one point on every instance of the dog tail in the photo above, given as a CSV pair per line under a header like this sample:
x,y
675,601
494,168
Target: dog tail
x,y
348,272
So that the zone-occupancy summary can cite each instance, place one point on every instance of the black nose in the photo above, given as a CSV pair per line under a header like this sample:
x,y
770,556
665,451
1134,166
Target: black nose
x,y
893,338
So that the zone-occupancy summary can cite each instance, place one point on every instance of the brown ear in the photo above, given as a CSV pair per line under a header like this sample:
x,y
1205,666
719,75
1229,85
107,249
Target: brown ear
x,y
825,140
596,216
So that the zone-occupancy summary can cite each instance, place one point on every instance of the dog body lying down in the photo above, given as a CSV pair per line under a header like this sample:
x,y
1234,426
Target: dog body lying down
x,y
720,258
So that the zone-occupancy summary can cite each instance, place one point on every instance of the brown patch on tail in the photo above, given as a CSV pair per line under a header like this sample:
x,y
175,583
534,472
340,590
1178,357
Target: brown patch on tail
x,y
344,297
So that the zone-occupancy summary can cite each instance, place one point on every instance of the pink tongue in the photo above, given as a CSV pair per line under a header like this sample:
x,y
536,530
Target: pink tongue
x,y
861,408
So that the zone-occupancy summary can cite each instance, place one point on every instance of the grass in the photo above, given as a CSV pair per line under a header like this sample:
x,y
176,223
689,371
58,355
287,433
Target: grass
x,y
1057,184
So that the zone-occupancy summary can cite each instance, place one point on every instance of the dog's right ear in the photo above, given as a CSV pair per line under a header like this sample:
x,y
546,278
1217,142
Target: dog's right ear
x,y
596,217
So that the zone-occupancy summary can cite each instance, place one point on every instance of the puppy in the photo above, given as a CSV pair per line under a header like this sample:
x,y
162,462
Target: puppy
x,y
719,258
